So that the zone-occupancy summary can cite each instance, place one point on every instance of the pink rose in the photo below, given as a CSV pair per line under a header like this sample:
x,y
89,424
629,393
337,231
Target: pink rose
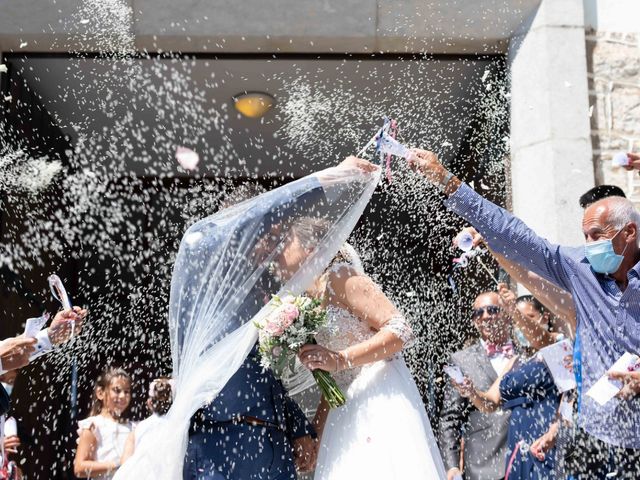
x,y
288,314
273,327
276,351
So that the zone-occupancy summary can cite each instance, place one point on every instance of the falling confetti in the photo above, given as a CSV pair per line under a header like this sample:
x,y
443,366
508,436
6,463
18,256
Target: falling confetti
x,y
187,158
116,204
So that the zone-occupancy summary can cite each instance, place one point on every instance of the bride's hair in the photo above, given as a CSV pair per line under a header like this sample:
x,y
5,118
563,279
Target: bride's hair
x,y
310,231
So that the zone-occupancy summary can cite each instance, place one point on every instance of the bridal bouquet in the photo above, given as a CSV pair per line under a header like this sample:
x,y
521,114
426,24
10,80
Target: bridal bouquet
x,y
294,322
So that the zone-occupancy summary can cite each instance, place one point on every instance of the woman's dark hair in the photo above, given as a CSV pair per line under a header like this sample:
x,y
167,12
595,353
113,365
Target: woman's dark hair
x,y
160,396
103,382
533,301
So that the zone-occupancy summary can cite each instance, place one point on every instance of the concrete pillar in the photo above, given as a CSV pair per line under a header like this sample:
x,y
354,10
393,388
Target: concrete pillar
x,y
551,158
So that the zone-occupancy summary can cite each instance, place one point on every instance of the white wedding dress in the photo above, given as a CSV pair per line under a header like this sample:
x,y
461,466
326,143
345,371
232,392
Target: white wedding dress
x,y
383,431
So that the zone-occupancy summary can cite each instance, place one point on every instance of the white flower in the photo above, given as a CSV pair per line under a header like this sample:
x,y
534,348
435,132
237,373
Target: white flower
x,y
305,302
289,299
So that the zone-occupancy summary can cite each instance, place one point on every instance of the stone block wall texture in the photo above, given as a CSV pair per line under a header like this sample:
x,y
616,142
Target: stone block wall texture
x,y
613,61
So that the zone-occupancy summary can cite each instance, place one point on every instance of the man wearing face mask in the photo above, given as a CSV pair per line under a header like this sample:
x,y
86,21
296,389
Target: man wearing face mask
x,y
603,278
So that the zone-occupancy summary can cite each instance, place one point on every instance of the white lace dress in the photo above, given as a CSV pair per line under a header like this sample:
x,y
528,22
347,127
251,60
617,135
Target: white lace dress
x,y
111,437
383,431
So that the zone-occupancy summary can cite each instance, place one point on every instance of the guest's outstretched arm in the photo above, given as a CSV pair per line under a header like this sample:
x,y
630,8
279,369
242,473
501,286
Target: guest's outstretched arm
x,y
504,233
538,336
486,401
557,300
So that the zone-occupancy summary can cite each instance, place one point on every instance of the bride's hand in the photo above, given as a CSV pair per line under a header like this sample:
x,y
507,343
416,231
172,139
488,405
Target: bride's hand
x,y
318,357
305,450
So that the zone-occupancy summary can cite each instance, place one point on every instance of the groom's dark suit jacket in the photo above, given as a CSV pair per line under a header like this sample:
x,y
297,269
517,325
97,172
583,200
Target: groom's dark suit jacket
x,y
257,393
485,434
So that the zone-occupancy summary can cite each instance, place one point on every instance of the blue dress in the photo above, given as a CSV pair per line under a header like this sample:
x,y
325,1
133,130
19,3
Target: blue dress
x,y
529,392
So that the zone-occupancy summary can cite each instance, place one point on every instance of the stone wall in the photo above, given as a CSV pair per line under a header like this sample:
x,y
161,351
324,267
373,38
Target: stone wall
x,y
613,61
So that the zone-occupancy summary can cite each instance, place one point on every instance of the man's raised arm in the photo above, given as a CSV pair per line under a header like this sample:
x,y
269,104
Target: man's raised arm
x,y
505,234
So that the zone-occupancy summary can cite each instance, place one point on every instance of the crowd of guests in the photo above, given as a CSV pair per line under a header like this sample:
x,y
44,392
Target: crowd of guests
x,y
506,419
108,436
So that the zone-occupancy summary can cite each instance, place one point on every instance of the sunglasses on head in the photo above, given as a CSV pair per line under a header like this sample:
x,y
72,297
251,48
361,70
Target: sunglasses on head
x,y
490,309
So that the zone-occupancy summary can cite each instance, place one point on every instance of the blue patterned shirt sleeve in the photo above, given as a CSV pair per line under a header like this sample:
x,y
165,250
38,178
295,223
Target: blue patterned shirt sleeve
x,y
512,238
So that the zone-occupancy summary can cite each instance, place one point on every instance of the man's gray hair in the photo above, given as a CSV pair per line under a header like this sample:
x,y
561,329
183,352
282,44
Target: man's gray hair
x,y
621,212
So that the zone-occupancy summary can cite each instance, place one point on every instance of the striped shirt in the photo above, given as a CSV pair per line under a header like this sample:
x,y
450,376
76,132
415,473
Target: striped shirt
x,y
608,318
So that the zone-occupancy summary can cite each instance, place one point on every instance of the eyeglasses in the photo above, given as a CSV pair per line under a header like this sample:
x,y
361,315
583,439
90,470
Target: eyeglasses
x,y
490,309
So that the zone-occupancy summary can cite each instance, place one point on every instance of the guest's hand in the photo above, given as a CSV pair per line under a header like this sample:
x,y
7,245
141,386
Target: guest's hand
x,y
305,450
508,298
318,357
427,163
634,161
60,329
477,238
11,444
359,163
546,442
466,389
631,382
454,473
15,352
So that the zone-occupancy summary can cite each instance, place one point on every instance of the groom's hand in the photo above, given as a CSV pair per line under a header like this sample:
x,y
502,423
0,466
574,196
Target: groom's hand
x,y
305,450
359,163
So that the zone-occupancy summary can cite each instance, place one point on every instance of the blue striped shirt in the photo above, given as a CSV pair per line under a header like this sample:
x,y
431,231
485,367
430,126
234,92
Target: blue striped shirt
x,y
608,318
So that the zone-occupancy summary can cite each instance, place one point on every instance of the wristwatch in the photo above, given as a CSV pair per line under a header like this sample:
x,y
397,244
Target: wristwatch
x,y
443,184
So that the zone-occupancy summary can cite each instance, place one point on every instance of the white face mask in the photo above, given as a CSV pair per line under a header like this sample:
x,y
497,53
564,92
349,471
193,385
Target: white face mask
x,y
8,387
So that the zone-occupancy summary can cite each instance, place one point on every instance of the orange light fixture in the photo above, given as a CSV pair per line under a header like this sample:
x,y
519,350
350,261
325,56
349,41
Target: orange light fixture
x,y
253,104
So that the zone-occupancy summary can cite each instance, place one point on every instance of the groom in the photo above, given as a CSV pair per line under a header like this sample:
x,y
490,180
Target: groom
x,y
252,429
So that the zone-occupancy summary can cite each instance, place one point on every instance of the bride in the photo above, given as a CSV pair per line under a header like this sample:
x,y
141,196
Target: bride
x,y
383,430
